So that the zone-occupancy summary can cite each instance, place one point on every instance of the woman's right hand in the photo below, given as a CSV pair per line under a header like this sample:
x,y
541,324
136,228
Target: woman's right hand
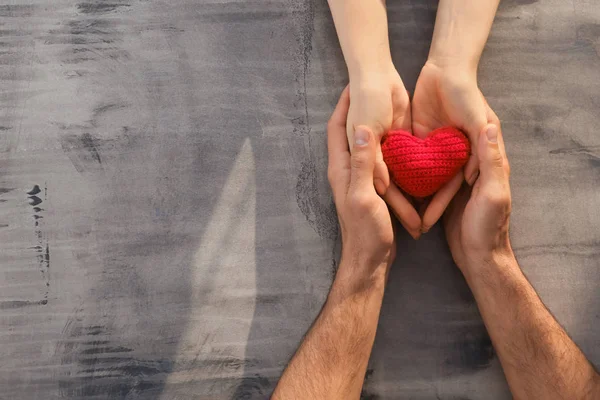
x,y
378,100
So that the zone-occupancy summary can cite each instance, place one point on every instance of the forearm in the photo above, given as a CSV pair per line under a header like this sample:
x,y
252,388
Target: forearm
x,y
362,30
332,360
539,359
461,31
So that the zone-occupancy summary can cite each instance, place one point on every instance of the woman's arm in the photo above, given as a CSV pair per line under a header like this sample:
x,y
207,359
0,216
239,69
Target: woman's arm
x,y
461,30
362,29
447,92
378,97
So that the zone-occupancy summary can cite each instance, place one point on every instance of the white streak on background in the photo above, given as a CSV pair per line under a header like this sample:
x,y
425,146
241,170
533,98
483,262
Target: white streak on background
x,y
223,298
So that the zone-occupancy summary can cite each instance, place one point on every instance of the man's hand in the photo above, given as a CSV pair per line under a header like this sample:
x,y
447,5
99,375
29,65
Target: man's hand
x,y
448,96
365,222
539,359
332,359
477,220
379,102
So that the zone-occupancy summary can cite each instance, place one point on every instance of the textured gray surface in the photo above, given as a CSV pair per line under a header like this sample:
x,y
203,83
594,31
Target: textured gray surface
x,y
183,237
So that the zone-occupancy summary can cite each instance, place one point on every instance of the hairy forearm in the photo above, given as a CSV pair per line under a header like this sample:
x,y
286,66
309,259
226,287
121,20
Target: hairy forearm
x,y
461,31
362,30
332,360
539,359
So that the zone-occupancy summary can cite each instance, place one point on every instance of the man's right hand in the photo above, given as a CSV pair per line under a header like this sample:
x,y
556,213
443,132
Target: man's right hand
x,y
539,359
477,220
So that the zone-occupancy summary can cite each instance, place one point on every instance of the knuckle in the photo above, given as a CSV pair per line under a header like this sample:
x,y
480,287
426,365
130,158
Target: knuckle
x,y
498,198
496,120
379,128
496,159
359,203
330,125
358,160
331,175
506,166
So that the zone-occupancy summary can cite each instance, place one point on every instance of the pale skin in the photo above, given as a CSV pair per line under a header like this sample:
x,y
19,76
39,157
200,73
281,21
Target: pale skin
x,y
379,98
446,92
539,359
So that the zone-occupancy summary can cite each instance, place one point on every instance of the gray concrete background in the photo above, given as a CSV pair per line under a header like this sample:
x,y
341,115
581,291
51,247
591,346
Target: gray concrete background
x,y
166,228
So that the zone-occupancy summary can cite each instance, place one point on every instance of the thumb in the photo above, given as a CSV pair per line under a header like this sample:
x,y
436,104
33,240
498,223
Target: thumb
x,y
476,120
491,162
362,160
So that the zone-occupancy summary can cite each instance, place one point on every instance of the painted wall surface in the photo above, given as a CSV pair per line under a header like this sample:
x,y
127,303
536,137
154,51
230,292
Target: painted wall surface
x,y
166,227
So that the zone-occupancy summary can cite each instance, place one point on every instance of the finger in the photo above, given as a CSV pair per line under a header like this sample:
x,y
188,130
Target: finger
x,y
493,119
337,144
491,159
472,168
401,110
403,210
504,156
476,122
381,175
402,120
340,114
454,212
440,201
362,159
414,234
421,131
421,205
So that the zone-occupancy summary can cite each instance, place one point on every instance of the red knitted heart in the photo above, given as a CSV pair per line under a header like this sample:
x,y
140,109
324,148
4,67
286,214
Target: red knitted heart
x,y
421,167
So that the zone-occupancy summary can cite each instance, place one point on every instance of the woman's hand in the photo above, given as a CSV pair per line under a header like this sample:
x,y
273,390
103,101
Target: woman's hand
x,y
365,222
447,92
448,96
379,101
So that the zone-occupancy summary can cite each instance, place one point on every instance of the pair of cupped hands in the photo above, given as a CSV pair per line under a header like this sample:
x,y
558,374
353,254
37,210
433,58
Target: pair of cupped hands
x,y
478,211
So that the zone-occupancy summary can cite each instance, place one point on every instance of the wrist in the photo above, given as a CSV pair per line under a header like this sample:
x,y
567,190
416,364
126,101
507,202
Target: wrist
x,y
453,70
488,267
454,61
357,274
460,33
373,70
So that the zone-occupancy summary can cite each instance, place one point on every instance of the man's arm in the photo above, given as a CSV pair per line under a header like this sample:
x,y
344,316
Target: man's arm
x,y
332,360
539,359
330,363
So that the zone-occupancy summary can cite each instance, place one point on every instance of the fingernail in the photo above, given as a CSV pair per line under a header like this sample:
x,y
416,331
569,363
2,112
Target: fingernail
x,y
361,137
492,133
425,229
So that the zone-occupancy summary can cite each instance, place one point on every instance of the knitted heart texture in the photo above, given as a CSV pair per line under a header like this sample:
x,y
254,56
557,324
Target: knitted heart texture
x,y
422,166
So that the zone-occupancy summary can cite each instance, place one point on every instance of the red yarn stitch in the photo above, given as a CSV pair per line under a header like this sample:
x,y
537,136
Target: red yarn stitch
x,y
421,167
